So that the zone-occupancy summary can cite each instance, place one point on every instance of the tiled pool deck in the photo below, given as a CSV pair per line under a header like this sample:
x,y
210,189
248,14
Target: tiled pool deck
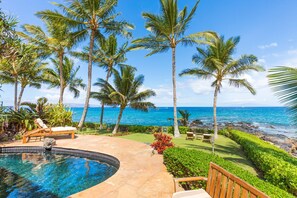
x,y
141,174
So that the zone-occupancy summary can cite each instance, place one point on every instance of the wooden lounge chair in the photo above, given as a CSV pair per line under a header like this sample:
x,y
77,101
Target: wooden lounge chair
x,y
190,136
44,131
221,184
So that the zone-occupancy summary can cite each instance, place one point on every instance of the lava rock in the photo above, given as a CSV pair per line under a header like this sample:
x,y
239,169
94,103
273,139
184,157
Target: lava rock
x,y
48,143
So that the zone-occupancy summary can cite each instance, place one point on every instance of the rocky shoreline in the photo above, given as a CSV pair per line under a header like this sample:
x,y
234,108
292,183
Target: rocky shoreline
x,y
279,140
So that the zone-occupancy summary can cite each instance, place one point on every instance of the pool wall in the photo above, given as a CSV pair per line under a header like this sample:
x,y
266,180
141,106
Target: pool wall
x,y
103,158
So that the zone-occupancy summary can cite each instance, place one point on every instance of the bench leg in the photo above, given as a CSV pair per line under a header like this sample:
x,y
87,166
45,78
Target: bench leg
x,y
72,135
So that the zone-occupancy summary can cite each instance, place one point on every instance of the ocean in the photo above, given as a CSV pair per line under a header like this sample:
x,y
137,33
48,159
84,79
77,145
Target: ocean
x,y
274,120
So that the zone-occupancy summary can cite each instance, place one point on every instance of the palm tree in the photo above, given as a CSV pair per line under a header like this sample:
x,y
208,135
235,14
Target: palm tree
x,y
125,91
58,41
283,81
185,117
52,77
216,62
167,30
31,77
107,55
15,64
93,18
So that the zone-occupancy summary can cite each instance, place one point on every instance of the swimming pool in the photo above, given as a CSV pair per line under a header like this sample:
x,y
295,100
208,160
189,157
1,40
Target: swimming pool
x,y
32,172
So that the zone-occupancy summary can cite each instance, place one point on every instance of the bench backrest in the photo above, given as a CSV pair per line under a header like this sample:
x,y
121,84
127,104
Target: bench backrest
x,y
222,184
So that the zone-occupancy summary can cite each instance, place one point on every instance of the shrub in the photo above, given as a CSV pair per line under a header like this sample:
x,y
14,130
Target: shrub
x,y
162,142
182,129
183,162
58,115
278,167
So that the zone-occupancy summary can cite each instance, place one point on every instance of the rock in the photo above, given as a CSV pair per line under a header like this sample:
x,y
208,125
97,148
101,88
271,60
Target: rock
x,y
48,143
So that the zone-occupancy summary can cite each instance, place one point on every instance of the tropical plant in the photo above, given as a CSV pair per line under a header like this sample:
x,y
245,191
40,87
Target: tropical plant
x,y
184,120
216,62
167,30
11,67
58,41
93,18
52,77
107,55
283,81
162,142
31,77
125,91
58,115
38,107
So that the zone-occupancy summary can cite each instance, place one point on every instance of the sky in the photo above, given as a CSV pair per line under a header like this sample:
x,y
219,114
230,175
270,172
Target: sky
x,y
267,28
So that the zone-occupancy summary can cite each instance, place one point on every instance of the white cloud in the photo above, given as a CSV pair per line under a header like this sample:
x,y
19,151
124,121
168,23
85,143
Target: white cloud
x,y
271,45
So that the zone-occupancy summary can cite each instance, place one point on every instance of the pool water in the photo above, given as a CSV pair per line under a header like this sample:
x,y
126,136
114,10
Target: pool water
x,y
49,175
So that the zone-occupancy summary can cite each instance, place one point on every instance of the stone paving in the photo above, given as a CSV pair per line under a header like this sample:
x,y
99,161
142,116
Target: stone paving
x,y
141,174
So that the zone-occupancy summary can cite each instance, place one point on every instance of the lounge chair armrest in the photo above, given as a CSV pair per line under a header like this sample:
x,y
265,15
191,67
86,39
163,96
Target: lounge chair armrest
x,y
187,179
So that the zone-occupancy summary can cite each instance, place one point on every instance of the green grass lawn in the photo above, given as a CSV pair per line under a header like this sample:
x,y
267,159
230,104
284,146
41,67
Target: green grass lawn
x,y
224,147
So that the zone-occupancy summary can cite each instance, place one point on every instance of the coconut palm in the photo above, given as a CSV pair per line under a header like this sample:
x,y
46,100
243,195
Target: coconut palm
x,y
107,55
216,62
11,67
57,42
52,77
93,18
32,76
283,81
167,30
125,91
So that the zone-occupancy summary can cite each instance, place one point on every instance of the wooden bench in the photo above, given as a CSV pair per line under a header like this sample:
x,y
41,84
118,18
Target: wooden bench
x,y
220,184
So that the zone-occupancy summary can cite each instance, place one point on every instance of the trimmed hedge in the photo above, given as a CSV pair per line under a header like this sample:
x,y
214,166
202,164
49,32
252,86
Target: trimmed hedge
x,y
183,162
278,167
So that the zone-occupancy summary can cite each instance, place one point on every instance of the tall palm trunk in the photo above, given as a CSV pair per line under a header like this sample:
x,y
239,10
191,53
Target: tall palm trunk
x,y
176,131
118,121
16,93
86,106
215,124
61,78
21,95
102,104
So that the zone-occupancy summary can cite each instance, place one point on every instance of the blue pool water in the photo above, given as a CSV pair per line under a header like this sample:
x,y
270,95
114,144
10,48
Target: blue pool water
x,y
48,175
269,119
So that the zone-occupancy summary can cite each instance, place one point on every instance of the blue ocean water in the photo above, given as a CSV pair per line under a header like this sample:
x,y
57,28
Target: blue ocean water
x,y
269,119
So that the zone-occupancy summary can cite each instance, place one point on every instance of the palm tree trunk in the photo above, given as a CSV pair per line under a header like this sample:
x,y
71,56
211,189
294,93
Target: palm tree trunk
x,y
61,78
176,131
118,121
16,93
21,95
102,104
86,106
215,124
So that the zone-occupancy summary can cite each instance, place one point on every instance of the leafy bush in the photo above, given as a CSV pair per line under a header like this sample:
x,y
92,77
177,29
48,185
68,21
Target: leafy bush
x,y
278,167
57,115
183,162
162,142
182,129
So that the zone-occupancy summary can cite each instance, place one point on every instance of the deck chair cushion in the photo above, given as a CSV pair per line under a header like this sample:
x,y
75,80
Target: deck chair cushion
x,y
192,194
41,123
57,129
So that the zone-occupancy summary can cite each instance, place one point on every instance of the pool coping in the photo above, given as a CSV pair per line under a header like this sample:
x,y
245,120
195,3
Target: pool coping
x,y
101,157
